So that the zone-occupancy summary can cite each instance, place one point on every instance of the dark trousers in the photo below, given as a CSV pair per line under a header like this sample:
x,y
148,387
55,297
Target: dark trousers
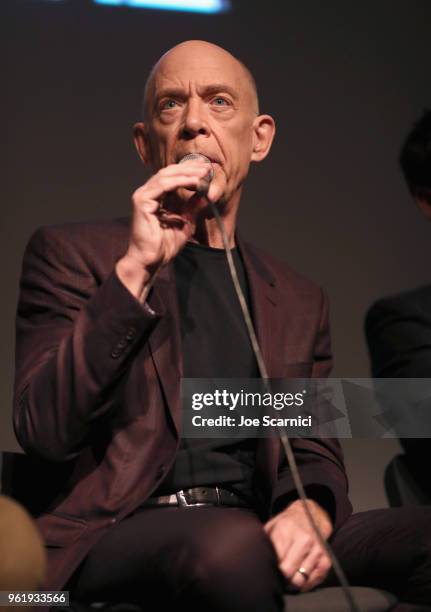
x,y
388,549
219,559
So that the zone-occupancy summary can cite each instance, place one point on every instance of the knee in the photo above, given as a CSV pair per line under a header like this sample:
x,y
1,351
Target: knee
x,y
232,544
237,564
418,529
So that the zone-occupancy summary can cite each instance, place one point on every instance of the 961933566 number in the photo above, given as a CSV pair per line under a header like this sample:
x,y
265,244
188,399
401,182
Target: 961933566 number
x,y
34,598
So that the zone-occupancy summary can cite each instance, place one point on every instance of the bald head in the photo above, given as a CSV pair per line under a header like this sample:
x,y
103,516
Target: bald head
x,y
201,99
194,54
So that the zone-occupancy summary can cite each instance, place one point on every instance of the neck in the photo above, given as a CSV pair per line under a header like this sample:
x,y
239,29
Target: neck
x,y
207,231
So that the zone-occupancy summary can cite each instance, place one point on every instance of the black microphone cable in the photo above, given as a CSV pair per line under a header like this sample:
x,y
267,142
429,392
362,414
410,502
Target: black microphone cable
x,y
264,375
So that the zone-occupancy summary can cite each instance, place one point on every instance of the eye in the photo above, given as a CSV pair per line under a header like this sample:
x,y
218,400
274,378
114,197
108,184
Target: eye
x,y
220,101
168,104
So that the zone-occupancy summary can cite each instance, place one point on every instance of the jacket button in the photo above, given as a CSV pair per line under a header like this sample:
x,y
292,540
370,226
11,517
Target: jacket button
x,y
115,353
113,520
121,344
131,333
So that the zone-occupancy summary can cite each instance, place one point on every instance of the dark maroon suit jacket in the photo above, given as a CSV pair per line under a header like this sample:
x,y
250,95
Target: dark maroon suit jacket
x,y
97,390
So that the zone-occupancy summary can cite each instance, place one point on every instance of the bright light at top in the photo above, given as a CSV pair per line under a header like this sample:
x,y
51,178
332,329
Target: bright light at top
x,y
193,6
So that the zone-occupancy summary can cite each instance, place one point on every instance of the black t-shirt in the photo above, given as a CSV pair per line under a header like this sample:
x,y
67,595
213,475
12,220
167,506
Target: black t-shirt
x,y
215,344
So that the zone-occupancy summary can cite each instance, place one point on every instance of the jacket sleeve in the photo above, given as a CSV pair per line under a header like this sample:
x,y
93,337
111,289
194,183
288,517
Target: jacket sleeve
x,y
75,337
399,340
398,332
320,461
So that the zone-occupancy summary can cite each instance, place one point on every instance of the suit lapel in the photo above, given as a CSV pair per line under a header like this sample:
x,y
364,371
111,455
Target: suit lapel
x,y
263,297
165,341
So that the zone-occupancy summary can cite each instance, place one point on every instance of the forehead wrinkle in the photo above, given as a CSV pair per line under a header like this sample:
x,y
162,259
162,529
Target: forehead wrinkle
x,y
163,69
201,90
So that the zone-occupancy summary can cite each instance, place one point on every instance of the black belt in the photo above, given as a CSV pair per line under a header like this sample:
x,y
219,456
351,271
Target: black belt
x,y
198,496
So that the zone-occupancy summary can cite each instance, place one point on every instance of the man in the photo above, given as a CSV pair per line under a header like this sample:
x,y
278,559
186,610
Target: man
x,y
111,316
398,328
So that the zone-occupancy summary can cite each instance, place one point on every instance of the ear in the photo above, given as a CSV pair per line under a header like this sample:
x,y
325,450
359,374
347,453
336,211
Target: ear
x,y
264,132
142,142
423,200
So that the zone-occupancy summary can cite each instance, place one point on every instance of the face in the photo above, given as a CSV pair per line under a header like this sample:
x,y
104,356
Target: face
x,y
201,101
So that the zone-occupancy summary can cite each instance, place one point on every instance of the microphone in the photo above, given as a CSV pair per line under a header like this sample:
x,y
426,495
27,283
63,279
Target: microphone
x,y
204,183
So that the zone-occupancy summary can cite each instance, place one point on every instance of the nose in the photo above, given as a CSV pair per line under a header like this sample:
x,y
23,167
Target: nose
x,y
195,120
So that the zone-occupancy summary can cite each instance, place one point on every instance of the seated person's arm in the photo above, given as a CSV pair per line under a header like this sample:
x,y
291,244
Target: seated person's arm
x,y
321,467
69,327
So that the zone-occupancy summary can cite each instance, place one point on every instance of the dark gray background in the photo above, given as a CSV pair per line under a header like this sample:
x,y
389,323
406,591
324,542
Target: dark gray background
x,y
344,82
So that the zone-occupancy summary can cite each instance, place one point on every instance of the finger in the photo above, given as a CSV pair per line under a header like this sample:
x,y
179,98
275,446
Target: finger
x,y
172,221
160,185
272,523
303,579
298,556
198,168
143,204
166,181
188,168
165,217
170,218
281,540
174,239
318,574
269,525
166,184
214,191
166,178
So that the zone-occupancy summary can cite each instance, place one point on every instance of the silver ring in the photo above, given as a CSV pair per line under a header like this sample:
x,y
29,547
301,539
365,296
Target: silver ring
x,y
303,572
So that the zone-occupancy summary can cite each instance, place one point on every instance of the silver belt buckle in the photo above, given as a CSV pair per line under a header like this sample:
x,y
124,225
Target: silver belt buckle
x,y
182,501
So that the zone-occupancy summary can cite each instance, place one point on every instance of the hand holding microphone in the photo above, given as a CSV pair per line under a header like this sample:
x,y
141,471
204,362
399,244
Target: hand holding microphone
x,y
201,190
162,224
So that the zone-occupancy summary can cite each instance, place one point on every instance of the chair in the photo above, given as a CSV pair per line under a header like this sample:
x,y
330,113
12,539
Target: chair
x,y
332,599
329,599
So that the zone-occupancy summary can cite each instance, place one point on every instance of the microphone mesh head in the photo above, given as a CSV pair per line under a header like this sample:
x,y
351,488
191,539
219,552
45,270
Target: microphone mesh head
x,y
208,177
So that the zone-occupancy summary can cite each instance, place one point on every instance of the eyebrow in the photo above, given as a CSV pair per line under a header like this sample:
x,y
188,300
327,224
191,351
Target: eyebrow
x,y
205,91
